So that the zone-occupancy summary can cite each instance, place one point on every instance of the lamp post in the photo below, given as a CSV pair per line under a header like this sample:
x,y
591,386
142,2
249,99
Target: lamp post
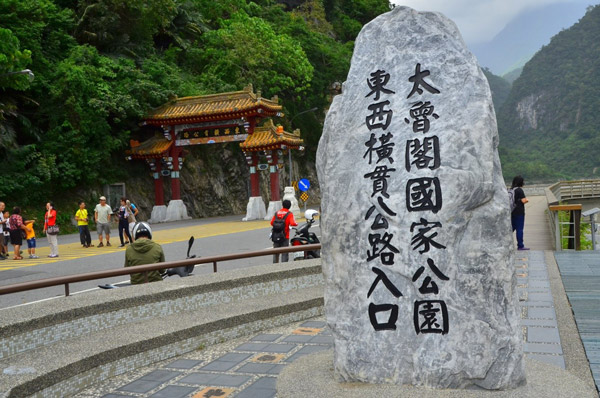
x,y
27,72
290,149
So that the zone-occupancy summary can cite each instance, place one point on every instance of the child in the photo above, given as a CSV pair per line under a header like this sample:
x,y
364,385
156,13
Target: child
x,y
30,236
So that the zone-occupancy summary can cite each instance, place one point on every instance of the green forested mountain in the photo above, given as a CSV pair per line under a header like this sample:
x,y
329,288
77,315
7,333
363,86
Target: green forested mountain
x,y
550,125
100,65
500,88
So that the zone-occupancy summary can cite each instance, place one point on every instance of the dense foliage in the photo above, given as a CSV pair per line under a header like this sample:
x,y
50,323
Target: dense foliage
x,y
549,125
100,65
500,88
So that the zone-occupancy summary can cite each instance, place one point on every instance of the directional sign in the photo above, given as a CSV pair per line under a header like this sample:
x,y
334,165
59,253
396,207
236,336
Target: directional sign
x,y
303,185
304,196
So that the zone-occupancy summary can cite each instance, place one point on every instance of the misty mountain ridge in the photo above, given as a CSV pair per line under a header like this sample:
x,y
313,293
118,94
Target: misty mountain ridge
x,y
520,39
549,125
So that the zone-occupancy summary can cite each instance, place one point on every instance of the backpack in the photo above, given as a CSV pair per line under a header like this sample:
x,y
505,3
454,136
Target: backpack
x,y
511,199
278,230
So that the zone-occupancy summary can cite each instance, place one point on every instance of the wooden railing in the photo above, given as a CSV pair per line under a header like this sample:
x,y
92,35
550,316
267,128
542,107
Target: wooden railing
x,y
67,280
580,189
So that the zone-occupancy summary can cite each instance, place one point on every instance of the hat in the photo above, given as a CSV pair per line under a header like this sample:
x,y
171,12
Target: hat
x,y
102,198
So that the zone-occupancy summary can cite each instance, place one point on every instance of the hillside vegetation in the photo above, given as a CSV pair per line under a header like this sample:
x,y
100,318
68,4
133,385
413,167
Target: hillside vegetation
x,y
550,125
100,65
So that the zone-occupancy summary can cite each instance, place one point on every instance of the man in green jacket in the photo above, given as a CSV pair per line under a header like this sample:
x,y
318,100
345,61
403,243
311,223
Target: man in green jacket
x,y
143,251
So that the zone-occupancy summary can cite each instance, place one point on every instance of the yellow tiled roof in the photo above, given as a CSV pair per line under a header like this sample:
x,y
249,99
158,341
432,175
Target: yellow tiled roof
x,y
215,107
155,146
266,137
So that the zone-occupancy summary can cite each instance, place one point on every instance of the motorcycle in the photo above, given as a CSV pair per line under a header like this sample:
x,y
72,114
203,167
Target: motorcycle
x,y
304,237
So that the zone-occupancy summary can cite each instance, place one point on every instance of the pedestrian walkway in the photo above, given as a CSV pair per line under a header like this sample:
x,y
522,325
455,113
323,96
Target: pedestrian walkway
x,y
74,250
537,234
248,367
580,273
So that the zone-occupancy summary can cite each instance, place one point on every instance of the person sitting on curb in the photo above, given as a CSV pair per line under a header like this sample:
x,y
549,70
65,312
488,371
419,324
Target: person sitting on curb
x,y
280,234
144,251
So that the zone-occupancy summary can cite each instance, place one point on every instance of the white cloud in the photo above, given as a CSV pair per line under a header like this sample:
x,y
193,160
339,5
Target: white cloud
x,y
478,20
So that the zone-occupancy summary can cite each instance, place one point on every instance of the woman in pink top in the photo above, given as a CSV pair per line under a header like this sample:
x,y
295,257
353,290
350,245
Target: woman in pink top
x,y
50,220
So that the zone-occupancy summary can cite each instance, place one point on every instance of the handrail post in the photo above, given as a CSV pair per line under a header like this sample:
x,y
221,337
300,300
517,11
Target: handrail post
x,y
577,216
214,266
558,230
67,293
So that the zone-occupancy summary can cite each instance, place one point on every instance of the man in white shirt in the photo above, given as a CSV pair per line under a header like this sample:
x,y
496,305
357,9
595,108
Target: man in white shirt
x,y
102,214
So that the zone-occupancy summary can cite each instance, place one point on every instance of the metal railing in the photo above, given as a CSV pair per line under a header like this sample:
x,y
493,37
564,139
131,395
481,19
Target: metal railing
x,y
573,236
579,189
67,280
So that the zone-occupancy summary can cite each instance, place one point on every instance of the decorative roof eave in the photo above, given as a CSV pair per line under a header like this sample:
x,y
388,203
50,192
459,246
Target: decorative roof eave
x,y
269,137
214,107
155,147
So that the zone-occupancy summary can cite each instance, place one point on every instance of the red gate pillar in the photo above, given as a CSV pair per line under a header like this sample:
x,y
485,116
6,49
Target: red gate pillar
x,y
159,194
175,183
274,174
254,176
253,163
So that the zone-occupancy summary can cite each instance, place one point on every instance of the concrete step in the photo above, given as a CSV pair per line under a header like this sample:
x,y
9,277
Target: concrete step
x,y
189,318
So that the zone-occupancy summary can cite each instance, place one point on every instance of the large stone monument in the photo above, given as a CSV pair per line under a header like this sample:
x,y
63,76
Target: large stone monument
x,y
417,250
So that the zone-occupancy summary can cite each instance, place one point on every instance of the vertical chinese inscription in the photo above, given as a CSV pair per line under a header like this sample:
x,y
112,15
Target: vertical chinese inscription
x,y
424,195
381,251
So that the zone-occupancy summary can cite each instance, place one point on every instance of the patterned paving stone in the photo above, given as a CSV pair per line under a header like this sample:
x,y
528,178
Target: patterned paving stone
x,y
266,337
173,392
183,364
260,368
140,386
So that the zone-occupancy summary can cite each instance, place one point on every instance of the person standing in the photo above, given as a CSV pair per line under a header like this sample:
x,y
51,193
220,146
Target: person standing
x,y
30,237
51,229
3,227
518,214
82,223
144,251
16,226
280,234
124,212
133,212
6,216
102,214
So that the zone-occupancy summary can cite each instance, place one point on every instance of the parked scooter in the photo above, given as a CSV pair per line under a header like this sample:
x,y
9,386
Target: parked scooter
x,y
304,237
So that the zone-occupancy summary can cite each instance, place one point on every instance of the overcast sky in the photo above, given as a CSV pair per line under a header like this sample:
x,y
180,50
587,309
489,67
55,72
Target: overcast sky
x,y
480,20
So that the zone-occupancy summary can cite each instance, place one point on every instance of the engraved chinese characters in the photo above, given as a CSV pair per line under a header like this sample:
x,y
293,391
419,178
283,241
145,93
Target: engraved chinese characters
x,y
420,286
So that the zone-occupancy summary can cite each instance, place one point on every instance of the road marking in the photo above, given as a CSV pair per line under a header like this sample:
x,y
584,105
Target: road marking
x,y
73,251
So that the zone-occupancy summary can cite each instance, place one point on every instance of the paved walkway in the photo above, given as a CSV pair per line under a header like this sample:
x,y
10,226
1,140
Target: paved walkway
x,y
247,368
536,234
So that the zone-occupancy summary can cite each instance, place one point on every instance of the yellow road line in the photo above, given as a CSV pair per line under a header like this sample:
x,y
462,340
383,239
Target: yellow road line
x,y
73,251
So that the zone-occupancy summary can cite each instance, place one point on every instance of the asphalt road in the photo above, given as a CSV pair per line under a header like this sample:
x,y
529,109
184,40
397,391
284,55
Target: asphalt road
x,y
213,236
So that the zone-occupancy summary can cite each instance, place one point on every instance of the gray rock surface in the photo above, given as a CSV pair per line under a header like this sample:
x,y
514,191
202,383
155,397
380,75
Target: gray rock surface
x,y
417,232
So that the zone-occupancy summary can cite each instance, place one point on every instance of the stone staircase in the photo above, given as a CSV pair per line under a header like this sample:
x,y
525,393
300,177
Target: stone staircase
x,y
59,347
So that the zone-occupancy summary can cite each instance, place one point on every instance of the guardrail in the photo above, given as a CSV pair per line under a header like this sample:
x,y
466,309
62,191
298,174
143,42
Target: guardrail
x,y
580,189
67,280
573,236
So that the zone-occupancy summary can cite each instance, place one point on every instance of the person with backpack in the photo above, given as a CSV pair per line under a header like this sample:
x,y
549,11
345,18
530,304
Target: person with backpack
x,y
280,233
518,209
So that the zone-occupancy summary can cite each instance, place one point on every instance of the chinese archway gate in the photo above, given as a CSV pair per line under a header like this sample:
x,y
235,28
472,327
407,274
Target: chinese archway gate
x,y
210,119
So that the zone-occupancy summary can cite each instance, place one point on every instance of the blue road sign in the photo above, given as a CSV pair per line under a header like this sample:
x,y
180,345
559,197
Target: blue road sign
x,y
303,185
